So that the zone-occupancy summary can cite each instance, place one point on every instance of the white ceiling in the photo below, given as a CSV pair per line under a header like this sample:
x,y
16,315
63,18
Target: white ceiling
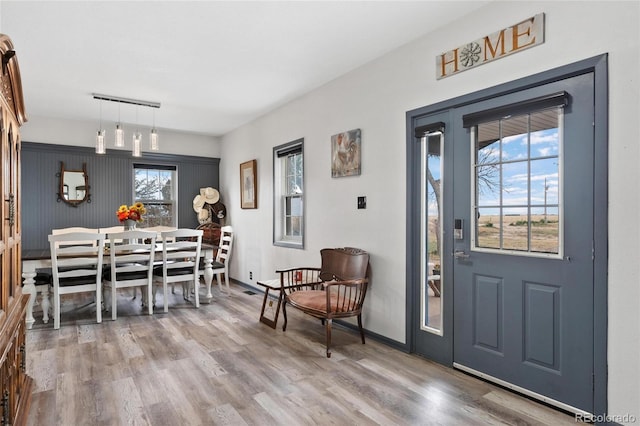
x,y
213,65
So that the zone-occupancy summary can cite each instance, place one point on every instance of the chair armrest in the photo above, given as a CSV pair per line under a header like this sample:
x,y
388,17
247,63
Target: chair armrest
x,y
343,297
303,268
359,282
301,278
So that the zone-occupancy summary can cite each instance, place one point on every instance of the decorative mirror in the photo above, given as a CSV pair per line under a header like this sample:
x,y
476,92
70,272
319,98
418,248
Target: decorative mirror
x,y
74,185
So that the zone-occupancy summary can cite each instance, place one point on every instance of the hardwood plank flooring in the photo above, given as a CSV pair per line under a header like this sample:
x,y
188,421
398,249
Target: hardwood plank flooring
x,y
220,365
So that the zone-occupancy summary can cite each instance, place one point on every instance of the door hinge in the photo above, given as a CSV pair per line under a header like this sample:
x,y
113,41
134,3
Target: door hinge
x,y
593,250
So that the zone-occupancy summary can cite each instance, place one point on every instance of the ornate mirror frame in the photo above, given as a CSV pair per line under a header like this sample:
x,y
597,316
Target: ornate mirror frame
x,y
81,191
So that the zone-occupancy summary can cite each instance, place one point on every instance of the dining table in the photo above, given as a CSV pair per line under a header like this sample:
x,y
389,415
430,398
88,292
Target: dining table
x,y
34,259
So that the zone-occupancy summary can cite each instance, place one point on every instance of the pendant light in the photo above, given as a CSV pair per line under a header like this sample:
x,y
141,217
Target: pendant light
x,y
153,136
136,145
100,146
135,151
119,132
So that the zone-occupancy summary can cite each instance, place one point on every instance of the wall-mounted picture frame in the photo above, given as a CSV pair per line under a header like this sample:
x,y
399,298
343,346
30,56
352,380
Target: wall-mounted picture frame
x,y
345,153
248,185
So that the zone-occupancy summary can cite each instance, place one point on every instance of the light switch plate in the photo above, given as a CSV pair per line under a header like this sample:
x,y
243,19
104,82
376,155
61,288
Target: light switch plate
x,y
362,202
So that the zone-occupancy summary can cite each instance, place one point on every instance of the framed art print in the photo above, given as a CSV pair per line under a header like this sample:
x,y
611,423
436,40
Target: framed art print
x,y
248,185
345,153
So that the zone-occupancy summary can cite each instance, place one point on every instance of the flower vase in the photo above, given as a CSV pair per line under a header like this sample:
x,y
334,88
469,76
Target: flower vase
x,y
129,225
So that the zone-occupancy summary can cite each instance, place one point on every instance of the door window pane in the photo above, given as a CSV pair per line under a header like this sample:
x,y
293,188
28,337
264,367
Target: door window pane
x,y
517,180
544,229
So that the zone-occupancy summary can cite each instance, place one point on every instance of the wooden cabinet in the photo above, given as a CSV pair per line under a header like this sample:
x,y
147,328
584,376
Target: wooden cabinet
x,y
15,385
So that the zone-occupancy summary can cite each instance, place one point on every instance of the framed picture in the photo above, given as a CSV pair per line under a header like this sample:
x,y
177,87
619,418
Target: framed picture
x,y
248,185
345,153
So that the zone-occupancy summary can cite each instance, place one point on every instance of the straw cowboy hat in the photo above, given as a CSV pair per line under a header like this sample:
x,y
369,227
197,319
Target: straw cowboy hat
x,y
198,203
203,215
210,195
207,195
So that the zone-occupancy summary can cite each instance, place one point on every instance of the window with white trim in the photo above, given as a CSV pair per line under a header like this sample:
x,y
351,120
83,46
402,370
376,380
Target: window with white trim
x,y
288,193
156,187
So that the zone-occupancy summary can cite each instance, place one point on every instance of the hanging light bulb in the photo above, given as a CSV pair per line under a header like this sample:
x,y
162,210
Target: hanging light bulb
x,y
100,146
153,140
153,136
135,151
136,145
119,131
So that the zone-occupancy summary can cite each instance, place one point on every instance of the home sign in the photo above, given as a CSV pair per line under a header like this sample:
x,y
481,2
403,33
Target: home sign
x,y
515,38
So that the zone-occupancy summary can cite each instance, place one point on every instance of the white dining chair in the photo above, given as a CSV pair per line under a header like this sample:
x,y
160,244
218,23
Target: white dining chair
x,y
72,229
159,230
110,230
220,265
180,263
76,268
131,261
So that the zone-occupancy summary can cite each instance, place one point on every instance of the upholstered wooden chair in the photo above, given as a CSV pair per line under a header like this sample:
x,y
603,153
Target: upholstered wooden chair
x,y
336,290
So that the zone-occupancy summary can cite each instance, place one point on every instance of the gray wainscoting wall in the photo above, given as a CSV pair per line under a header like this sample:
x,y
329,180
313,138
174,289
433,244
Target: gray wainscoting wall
x,y
110,183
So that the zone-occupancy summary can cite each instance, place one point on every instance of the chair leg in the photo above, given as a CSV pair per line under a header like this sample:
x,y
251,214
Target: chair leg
x,y
196,289
165,289
148,297
328,328
360,327
219,282
99,303
114,301
284,314
143,296
56,309
185,290
226,282
106,294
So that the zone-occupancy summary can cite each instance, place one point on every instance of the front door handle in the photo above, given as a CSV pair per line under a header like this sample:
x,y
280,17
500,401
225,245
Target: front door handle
x,y
460,254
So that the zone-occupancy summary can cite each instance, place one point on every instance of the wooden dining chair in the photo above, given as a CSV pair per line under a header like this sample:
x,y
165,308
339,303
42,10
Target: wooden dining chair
x,y
131,261
158,230
220,265
180,263
72,229
110,230
76,268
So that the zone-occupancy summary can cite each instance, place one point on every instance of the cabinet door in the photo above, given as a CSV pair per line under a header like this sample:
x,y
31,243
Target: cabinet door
x,y
4,210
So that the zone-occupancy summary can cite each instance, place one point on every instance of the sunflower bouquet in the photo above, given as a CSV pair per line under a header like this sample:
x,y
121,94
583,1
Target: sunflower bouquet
x,y
133,212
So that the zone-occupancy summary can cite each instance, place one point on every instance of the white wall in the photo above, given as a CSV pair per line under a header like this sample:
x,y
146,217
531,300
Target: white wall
x,y
376,97
83,133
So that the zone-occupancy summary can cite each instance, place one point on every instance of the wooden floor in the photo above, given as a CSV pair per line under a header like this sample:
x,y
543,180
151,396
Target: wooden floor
x,y
219,365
